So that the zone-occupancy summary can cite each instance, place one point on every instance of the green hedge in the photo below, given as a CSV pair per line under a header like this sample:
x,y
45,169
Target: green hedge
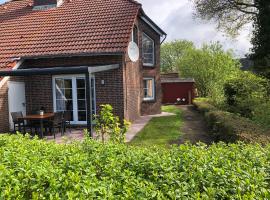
x,y
34,169
203,105
230,127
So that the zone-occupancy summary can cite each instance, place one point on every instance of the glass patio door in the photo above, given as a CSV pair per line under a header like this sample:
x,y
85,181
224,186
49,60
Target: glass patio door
x,y
70,95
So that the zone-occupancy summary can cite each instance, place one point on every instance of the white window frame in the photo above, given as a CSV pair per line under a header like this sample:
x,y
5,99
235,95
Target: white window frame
x,y
153,89
149,64
73,77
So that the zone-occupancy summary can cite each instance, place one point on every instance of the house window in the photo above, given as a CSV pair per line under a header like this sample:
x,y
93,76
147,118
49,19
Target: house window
x,y
148,48
149,89
70,96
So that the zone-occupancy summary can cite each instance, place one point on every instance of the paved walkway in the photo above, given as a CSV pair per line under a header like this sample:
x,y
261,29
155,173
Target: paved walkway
x,y
135,128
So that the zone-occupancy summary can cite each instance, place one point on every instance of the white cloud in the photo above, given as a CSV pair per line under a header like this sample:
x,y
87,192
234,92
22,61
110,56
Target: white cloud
x,y
175,17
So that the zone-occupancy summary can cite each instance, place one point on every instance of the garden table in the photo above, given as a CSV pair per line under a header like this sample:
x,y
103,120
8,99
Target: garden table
x,y
40,118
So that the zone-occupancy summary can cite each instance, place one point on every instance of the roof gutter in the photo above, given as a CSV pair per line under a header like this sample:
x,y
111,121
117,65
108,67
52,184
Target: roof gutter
x,y
59,70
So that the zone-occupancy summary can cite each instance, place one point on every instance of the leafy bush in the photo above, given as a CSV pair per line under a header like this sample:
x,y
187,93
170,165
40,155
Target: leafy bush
x,y
109,126
230,127
261,114
34,169
245,92
210,66
203,105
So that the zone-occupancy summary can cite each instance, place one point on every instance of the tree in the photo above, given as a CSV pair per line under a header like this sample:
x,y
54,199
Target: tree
x,y
230,15
261,39
210,66
171,52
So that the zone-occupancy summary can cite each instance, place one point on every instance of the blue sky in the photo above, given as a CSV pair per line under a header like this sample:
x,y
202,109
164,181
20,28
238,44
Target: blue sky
x,y
175,17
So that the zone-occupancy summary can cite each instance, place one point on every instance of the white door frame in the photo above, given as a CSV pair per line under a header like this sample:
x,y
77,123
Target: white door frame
x,y
73,77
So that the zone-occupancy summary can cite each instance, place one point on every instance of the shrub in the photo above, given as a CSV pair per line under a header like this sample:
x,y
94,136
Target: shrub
x,y
210,66
109,126
230,127
34,169
203,105
261,114
245,92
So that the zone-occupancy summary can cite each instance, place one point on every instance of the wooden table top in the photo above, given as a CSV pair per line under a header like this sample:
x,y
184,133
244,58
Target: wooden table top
x,y
37,116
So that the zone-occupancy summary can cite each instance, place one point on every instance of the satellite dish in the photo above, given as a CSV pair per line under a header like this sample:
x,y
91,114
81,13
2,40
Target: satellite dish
x,y
133,51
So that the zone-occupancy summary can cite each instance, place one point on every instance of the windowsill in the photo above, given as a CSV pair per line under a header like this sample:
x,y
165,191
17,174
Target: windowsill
x,y
149,100
148,65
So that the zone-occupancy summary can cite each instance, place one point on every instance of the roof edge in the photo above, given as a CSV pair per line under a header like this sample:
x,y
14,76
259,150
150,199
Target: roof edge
x,y
74,55
135,2
152,24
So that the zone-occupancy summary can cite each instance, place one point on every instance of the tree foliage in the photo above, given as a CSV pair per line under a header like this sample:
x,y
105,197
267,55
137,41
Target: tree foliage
x,y
171,52
230,15
261,38
210,66
245,92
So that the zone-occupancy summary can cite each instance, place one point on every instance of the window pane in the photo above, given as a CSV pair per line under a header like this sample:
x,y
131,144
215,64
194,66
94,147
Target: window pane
x,y
81,93
68,83
81,105
69,105
68,93
60,93
60,105
80,83
82,115
59,83
148,85
148,50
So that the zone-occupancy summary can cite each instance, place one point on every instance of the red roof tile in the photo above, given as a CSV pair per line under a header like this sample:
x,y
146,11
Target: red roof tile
x,y
76,27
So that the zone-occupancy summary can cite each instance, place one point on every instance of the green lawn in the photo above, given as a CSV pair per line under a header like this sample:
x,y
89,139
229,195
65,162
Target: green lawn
x,y
160,130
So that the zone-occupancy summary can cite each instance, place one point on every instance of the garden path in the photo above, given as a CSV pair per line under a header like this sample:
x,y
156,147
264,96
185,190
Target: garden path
x,y
194,127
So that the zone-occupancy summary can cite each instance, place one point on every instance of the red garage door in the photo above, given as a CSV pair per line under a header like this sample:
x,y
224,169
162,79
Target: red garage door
x,y
172,92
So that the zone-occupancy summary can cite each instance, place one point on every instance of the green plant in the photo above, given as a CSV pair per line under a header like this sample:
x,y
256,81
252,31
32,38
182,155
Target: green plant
x,y
230,127
210,66
203,105
261,114
35,169
245,92
108,125
170,52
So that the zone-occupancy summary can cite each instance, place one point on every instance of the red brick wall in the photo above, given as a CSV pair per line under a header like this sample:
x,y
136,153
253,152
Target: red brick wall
x,y
133,79
38,92
132,89
4,114
39,88
112,90
151,107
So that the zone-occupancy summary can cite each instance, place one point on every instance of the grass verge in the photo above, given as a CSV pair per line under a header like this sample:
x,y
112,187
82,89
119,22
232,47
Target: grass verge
x,y
160,130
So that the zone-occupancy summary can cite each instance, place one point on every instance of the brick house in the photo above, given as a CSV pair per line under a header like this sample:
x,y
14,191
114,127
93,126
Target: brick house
x,y
52,52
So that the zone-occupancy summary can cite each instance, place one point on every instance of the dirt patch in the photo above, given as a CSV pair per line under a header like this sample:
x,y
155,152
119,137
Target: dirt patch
x,y
194,128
